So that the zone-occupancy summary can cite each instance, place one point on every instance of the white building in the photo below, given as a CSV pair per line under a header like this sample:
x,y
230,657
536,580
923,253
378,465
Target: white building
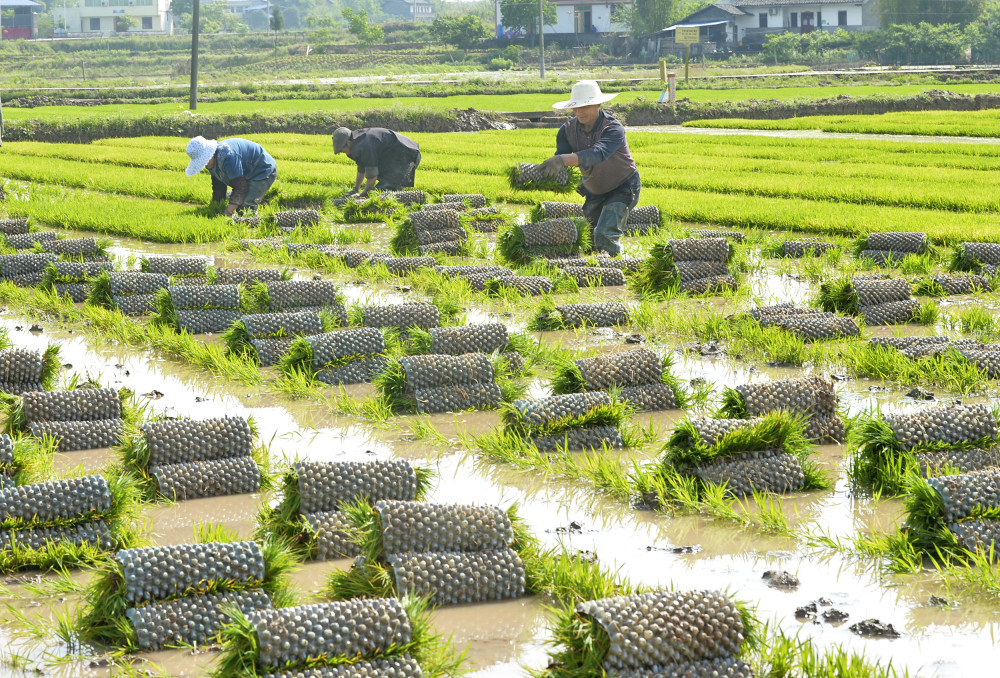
x,y
90,18
573,17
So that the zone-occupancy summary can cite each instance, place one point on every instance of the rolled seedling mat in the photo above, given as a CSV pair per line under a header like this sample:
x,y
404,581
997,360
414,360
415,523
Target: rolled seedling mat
x,y
92,533
21,365
625,368
986,359
551,233
404,265
690,271
800,248
77,292
700,249
176,265
962,284
596,315
898,241
938,462
436,220
433,370
444,235
153,573
78,498
300,247
451,247
249,222
472,200
816,327
711,431
624,264
246,276
14,265
482,225
710,285
289,294
483,212
332,347
526,175
650,631
193,620
560,210
73,246
80,271
870,292
359,371
324,486
967,494
581,438
463,339
214,321
332,531
649,397
190,280
406,197
80,435
270,351
350,628
450,578
735,236
135,304
129,283
415,314
977,535
199,479
25,241
422,526
595,276
33,279
763,313
526,285
291,219
805,395
15,226
6,452
473,274
471,396
247,244
553,409
746,472
174,441
970,254
276,325
453,206
211,296
891,313
947,425
352,258
902,343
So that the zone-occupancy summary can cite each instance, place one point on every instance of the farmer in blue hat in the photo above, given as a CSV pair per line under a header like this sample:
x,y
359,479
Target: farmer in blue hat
x,y
382,156
242,164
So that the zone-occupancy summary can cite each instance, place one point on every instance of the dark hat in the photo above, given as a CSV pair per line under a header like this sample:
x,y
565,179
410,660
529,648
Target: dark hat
x,y
340,138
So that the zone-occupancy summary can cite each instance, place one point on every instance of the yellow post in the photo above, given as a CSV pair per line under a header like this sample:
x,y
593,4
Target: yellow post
x,y
663,71
687,54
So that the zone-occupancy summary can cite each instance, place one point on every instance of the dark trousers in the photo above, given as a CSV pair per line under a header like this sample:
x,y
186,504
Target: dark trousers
x,y
593,205
400,176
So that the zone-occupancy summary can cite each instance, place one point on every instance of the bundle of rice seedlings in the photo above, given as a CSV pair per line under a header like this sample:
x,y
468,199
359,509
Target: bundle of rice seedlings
x,y
433,231
129,291
75,247
25,270
249,276
264,338
341,357
695,265
461,339
640,378
955,514
408,197
487,219
517,285
439,383
972,256
190,459
554,237
812,397
525,176
572,421
27,241
212,312
735,236
555,210
805,248
15,226
942,285
67,523
767,454
865,294
371,637
168,596
404,265
889,449
659,633
451,553
292,219
80,419
473,200
896,242
551,317
376,208
25,370
310,515
73,278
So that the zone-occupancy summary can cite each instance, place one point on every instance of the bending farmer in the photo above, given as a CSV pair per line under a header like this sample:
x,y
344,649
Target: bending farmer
x,y
239,163
595,141
381,154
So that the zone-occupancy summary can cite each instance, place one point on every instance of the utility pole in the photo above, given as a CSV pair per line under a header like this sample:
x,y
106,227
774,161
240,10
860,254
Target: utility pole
x,y
541,37
195,21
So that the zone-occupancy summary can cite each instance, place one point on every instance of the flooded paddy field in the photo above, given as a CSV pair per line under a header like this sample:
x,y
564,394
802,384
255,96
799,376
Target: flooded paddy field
x,y
595,505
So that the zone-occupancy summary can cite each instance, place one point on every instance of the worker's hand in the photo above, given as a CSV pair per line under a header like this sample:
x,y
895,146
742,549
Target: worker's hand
x,y
551,167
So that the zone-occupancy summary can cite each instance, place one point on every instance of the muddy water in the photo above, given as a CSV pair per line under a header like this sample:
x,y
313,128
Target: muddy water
x,y
650,548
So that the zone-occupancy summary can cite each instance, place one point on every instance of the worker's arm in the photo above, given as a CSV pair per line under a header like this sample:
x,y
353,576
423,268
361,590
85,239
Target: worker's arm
x,y
357,182
564,157
371,176
238,196
218,190
611,139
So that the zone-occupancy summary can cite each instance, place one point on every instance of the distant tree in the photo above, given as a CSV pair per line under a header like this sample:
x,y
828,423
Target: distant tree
x,y
277,19
933,12
523,14
357,25
292,20
983,34
215,18
256,20
645,16
460,31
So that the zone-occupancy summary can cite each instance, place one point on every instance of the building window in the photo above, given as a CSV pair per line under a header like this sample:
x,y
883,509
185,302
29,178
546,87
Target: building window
x,y
819,18
147,23
95,24
762,20
793,19
842,17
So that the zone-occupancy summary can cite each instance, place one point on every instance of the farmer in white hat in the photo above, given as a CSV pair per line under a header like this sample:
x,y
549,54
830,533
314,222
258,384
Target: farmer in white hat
x,y
594,141
382,156
239,163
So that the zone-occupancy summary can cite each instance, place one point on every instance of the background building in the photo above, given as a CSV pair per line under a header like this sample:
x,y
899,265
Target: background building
x,y
89,18
19,19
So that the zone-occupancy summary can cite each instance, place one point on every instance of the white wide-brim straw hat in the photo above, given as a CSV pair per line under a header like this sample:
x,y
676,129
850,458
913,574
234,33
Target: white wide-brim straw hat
x,y
200,150
585,93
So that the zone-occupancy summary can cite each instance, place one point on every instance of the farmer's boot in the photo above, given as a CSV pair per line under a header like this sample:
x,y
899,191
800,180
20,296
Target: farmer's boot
x,y
609,228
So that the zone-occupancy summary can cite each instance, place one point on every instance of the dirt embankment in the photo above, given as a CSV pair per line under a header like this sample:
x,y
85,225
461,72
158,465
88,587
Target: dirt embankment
x,y
214,126
684,110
